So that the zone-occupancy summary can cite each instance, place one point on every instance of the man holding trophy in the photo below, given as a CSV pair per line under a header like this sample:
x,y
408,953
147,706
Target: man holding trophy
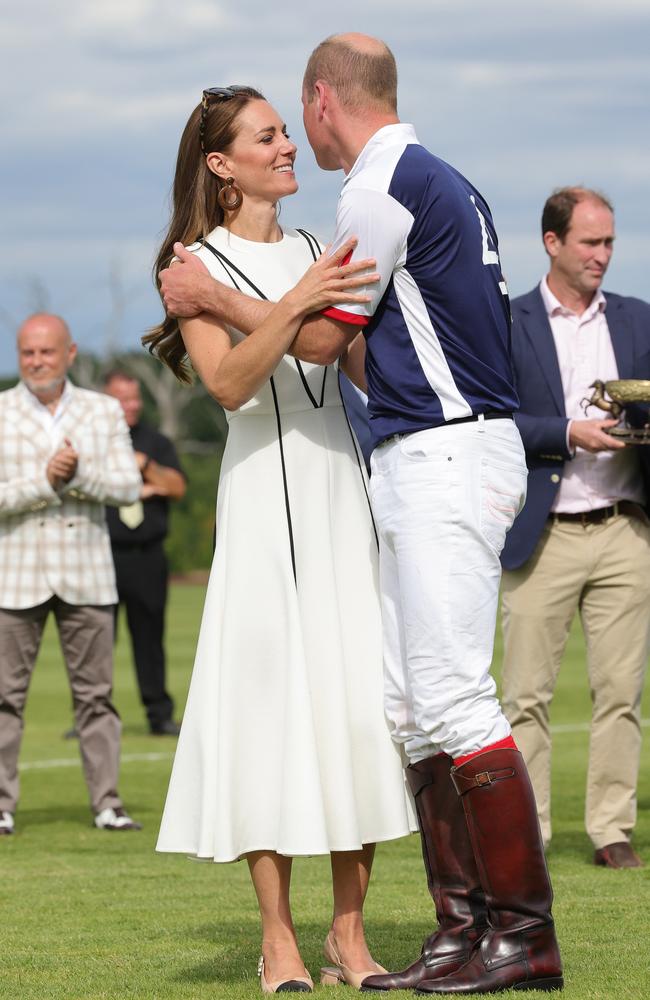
x,y
582,542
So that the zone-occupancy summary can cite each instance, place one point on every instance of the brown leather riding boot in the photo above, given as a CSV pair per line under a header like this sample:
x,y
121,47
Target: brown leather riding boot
x,y
519,951
452,878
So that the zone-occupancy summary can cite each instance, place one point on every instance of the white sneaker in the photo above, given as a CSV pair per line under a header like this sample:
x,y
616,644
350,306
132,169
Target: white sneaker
x,y
115,819
6,823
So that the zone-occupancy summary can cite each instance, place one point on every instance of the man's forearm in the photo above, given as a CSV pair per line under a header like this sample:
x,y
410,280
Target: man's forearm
x,y
543,436
233,307
171,480
25,493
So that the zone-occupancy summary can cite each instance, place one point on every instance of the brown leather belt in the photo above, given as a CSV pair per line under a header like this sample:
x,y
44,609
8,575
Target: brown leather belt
x,y
627,507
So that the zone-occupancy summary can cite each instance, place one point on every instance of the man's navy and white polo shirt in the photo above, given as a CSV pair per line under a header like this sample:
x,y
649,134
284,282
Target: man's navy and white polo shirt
x,y
438,325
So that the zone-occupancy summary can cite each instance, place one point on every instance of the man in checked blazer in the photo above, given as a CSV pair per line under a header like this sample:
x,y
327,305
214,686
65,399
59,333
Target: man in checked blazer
x,y
65,452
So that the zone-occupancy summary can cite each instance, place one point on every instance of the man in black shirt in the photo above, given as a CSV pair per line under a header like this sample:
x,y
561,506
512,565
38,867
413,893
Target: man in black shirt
x,y
137,535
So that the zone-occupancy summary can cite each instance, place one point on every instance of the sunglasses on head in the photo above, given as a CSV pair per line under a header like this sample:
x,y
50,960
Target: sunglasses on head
x,y
211,95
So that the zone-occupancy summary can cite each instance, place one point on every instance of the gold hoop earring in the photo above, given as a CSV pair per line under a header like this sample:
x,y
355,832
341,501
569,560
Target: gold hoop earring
x,y
229,197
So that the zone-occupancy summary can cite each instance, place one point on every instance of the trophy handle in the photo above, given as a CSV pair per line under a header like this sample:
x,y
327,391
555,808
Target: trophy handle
x,y
598,399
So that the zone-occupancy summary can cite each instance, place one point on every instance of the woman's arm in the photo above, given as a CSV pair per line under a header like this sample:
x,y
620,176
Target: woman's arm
x,y
234,374
188,290
231,374
353,362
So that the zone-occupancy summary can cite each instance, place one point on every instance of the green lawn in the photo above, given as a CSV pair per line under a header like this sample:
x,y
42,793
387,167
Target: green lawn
x,y
87,914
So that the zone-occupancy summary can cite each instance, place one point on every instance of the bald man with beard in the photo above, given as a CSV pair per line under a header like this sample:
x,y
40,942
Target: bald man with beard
x,y
65,453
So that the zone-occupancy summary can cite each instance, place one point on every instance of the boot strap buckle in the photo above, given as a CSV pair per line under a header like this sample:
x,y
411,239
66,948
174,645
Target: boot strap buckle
x,y
465,783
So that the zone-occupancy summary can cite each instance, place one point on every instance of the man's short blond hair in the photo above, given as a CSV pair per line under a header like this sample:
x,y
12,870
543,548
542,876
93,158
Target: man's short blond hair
x,y
362,78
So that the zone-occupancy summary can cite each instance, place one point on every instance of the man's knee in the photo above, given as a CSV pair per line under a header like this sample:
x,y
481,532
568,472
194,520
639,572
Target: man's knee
x,y
93,702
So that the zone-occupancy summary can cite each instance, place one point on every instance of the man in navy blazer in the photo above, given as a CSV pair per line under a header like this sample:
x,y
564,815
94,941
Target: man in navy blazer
x,y
582,541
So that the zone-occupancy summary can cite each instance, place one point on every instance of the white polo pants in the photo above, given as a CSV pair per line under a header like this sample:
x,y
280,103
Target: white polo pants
x,y
443,500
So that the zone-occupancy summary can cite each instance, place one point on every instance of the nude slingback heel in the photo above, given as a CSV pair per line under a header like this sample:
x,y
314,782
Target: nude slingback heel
x,y
299,984
337,974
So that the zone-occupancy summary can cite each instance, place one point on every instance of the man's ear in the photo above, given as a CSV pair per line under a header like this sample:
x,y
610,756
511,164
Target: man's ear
x,y
551,243
321,97
218,164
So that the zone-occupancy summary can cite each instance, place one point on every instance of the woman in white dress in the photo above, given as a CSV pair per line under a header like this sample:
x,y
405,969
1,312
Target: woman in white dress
x,y
284,749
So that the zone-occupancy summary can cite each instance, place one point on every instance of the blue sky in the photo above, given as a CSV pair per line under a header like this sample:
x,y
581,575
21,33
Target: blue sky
x,y
521,97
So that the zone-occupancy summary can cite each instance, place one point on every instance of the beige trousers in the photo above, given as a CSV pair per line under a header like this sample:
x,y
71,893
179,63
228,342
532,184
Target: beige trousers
x,y
603,572
86,636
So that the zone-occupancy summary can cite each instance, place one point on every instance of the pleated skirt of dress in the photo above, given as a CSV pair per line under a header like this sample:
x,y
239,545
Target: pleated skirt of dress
x,y
284,744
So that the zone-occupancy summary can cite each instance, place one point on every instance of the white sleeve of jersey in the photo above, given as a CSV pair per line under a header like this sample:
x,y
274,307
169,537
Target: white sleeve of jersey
x,y
381,225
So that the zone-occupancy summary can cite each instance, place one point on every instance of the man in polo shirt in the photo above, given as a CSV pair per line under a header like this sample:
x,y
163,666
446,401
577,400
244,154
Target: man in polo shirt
x,y
448,478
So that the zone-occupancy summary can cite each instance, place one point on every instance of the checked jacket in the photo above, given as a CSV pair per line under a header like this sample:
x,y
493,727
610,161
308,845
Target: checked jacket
x,y
57,542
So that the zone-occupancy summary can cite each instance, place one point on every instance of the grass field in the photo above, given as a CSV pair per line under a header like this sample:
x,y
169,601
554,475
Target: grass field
x,y
88,914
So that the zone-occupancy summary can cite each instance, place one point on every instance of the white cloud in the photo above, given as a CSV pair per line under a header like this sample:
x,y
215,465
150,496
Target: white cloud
x,y
557,74
149,24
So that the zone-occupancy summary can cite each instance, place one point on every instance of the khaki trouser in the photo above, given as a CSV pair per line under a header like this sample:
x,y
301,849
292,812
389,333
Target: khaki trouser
x,y
602,571
86,636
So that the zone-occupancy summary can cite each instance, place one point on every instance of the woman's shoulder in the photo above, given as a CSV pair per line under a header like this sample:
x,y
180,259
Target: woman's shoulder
x,y
222,246
302,243
302,233
204,248
215,238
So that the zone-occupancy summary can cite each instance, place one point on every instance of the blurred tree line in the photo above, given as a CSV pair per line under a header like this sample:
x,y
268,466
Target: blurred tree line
x,y
196,424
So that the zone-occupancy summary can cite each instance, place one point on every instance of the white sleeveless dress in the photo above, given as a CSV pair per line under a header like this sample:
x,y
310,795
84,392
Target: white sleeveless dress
x,y
284,744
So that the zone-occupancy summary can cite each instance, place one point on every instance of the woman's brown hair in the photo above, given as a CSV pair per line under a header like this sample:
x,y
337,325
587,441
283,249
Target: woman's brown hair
x,y
195,210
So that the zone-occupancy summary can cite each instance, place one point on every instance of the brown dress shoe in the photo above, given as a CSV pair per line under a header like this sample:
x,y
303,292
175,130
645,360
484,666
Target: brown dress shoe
x,y
618,855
